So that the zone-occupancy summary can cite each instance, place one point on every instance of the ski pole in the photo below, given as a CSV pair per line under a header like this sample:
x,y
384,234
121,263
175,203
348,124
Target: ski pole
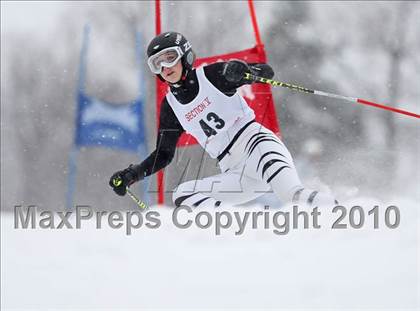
x,y
252,77
117,181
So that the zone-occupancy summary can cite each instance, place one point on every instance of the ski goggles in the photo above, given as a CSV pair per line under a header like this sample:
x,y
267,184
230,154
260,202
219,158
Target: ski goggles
x,y
166,58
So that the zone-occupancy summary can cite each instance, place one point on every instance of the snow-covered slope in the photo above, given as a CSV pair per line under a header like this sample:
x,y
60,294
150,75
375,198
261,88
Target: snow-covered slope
x,y
170,267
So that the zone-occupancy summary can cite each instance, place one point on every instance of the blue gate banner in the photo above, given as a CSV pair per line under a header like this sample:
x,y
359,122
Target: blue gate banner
x,y
117,126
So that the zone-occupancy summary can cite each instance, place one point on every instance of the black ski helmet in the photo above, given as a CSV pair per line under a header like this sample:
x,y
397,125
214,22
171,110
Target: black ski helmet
x,y
170,39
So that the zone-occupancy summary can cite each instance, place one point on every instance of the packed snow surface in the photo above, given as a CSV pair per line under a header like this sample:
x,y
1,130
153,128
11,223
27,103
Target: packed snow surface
x,y
170,267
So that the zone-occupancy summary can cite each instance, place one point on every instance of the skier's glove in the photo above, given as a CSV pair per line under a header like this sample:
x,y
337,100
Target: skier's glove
x,y
234,70
122,179
261,70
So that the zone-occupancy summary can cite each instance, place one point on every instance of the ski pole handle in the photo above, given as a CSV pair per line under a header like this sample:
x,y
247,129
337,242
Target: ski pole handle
x,y
117,181
249,76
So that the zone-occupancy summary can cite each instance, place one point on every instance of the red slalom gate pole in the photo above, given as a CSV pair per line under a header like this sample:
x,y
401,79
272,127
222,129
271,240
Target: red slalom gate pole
x,y
254,22
160,179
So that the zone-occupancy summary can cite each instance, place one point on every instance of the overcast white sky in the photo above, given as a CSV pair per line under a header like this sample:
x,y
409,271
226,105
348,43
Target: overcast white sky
x,y
29,16
26,16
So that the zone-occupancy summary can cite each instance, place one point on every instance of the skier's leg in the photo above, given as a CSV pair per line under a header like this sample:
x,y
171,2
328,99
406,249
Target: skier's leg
x,y
269,160
230,188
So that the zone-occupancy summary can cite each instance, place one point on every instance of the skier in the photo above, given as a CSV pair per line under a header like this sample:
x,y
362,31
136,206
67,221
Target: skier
x,y
205,103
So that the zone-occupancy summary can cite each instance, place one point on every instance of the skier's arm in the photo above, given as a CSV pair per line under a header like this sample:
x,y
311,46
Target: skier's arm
x,y
228,76
168,134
